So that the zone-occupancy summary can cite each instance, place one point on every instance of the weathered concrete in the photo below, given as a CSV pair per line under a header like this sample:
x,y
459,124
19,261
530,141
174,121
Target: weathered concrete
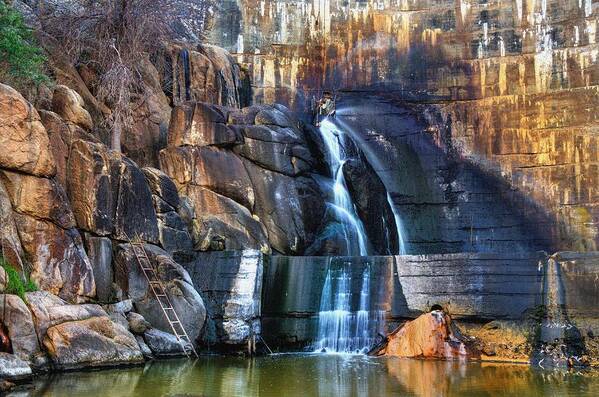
x,y
472,287
230,283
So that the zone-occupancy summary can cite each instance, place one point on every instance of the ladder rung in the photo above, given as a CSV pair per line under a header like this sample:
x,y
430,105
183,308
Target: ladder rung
x,y
159,292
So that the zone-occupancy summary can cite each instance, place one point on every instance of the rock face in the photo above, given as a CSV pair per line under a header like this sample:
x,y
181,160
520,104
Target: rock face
x,y
9,238
178,285
249,175
173,231
24,142
59,262
508,120
431,335
206,74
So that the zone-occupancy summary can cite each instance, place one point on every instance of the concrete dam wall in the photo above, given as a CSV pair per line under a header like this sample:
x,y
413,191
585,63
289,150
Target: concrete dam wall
x,y
280,297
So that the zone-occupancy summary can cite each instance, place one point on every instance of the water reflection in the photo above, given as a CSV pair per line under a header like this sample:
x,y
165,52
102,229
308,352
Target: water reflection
x,y
316,375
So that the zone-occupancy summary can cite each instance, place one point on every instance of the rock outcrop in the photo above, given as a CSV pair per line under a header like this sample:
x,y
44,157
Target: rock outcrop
x,y
177,284
248,173
494,108
23,138
206,74
432,335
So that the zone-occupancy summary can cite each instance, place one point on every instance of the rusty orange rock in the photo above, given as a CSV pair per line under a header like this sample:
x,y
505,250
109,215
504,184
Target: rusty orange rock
x,y
432,335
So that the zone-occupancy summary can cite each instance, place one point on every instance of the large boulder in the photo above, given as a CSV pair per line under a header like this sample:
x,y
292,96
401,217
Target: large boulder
x,y
94,342
135,216
110,194
176,281
62,135
224,222
49,310
59,261
41,198
13,368
23,138
15,315
89,187
162,343
10,244
432,335
276,151
292,209
221,171
70,106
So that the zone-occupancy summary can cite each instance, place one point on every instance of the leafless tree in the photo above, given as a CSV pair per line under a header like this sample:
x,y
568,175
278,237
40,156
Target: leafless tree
x,y
112,36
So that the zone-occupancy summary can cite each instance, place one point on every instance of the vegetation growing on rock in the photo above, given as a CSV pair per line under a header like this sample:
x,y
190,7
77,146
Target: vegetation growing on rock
x,y
17,284
21,60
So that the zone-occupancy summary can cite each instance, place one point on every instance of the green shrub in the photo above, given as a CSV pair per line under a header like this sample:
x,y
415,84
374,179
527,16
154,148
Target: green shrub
x,y
21,61
17,284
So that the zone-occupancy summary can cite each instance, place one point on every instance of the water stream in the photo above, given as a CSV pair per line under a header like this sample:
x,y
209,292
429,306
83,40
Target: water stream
x,y
341,329
352,227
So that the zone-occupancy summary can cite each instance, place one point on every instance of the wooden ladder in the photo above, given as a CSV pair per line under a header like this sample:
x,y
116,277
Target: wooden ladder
x,y
163,299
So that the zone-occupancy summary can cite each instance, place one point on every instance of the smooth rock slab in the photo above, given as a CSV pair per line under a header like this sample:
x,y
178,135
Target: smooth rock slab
x,y
12,367
162,343
90,343
231,284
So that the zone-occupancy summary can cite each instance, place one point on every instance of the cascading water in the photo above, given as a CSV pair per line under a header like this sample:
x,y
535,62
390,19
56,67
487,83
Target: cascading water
x,y
341,330
352,227
402,244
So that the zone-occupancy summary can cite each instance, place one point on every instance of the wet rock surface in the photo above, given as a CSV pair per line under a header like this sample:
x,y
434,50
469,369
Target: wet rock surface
x,y
259,158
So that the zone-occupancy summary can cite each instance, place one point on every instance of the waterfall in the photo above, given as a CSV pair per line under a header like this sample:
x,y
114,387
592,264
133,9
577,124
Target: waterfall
x,y
341,330
373,159
402,243
353,228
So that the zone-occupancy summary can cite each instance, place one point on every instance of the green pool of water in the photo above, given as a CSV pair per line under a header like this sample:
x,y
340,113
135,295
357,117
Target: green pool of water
x,y
317,375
